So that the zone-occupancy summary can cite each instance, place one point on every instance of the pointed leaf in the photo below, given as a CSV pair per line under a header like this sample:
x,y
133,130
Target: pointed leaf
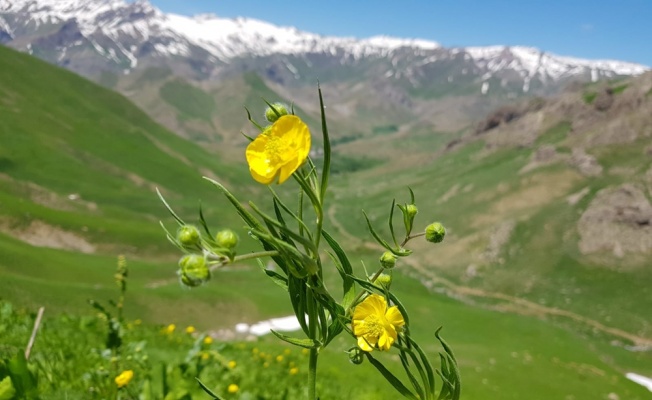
x,y
393,380
208,391
174,215
306,343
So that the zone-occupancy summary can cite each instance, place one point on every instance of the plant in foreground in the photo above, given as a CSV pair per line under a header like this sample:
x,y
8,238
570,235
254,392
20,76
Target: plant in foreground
x,y
293,238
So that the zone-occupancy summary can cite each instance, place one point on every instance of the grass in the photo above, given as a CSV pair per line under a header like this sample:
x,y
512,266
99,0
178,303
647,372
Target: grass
x,y
62,135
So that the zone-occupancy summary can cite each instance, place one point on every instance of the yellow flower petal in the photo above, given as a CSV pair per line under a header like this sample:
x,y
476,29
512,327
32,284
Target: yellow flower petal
x,y
394,317
279,151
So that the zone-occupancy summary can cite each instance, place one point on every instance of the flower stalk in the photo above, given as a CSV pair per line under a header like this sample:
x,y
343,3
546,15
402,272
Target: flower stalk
x,y
373,316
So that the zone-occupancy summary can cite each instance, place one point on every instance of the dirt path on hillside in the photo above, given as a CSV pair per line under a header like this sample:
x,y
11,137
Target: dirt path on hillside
x,y
514,304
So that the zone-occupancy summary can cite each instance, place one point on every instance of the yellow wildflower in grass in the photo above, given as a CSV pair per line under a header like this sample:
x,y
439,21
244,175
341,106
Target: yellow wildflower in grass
x,y
190,329
169,329
305,352
208,340
375,325
233,388
232,364
205,356
124,378
279,358
294,371
279,151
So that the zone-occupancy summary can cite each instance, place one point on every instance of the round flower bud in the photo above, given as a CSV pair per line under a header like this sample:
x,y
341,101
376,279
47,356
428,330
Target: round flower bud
x,y
188,235
384,280
435,232
388,260
411,210
272,116
193,270
226,239
355,356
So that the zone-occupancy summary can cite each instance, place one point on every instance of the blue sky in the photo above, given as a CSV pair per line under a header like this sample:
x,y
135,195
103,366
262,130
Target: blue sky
x,y
597,29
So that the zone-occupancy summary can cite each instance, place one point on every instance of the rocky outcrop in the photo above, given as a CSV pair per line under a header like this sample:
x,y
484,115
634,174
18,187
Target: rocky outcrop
x,y
618,220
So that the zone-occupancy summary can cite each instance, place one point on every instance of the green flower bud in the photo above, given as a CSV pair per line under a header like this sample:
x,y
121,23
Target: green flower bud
x,y
384,280
435,232
411,210
188,235
355,356
226,239
272,116
388,260
193,270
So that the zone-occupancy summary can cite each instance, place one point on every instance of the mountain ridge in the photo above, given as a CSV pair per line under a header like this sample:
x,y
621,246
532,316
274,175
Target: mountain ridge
x,y
127,35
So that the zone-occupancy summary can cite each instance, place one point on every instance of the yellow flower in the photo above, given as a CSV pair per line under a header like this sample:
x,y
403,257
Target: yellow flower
x,y
279,151
208,340
233,388
375,325
279,358
190,329
294,371
124,378
169,329
232,364
205,356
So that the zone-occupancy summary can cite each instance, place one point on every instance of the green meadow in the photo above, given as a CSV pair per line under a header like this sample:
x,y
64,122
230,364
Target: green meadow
x,y
79,166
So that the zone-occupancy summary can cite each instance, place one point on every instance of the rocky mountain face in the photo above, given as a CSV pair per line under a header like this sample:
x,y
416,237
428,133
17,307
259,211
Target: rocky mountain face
x,y
91,37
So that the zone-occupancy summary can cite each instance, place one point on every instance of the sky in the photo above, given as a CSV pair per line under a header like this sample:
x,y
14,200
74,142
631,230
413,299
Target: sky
x,y
594,29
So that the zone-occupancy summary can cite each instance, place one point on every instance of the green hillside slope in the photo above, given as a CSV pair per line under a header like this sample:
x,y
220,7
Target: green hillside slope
x,y
78,168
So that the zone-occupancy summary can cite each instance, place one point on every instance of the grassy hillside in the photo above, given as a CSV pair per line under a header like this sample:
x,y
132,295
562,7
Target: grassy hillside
x,y
79,165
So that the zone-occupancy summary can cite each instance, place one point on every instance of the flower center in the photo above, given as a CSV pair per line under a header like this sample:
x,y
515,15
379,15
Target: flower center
x,y
374,325
273,149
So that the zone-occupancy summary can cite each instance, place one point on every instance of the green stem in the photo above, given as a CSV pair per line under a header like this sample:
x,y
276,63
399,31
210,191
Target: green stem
x,y
314,352
408,238
258,254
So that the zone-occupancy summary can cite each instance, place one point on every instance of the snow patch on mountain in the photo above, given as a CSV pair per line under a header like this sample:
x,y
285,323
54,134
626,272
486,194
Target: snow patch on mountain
x,y
530,61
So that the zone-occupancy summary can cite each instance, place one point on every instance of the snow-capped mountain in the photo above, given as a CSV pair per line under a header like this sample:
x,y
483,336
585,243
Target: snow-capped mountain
x,y
94,36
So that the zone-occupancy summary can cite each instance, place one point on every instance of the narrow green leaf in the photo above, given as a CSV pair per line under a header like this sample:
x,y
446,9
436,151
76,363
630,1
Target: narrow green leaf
x,y
426,363
297,299
284,229
391,223
246,216
165,203
203,223
411,195
406,366
393,380
380,240
274,276
306,343
260,128
344,268
297,218
325,172
208,391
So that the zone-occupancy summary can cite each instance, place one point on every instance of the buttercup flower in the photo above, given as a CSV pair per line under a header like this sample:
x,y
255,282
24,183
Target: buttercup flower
x,y
233,388
169,329
124,378
190,329
279,151
375,325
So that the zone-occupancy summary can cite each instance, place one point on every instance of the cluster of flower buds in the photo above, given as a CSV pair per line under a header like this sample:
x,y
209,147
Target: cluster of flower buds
x,y
194,269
